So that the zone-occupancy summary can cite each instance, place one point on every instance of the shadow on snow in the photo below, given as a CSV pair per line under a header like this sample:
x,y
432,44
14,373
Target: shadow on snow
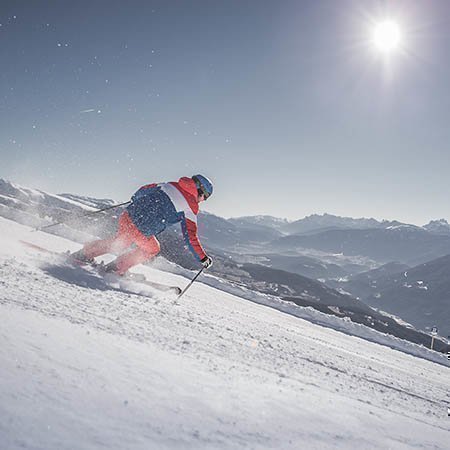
x,y
82,277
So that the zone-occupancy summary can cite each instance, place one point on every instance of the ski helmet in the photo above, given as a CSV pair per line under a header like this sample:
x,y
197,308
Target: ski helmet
x,y
204,185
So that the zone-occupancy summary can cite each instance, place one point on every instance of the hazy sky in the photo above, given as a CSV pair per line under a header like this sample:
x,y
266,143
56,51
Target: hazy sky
x,y
286,105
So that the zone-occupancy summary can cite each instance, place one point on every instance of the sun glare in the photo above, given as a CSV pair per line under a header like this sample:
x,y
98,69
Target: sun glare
x,y
386,36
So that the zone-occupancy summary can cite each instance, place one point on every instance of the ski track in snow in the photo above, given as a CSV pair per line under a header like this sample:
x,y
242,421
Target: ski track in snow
x,y
84,365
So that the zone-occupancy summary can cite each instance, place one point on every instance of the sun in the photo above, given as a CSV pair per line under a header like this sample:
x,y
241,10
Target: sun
x,y
386,36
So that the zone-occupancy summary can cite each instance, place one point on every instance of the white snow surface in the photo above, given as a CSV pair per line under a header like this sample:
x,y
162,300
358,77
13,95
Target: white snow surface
x,y
85,365
41,194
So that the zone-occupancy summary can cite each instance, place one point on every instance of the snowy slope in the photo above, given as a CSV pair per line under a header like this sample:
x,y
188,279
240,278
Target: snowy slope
x,y
84,365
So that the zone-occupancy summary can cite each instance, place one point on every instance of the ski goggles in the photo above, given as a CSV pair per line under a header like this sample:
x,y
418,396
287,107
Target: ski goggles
x,y
202,191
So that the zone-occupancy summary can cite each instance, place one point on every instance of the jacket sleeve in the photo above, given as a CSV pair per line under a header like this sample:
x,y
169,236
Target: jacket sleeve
x,y
141,191
190,235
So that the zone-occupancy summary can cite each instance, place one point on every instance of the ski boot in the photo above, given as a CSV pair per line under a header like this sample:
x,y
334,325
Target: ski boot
x,y
110,268
80,258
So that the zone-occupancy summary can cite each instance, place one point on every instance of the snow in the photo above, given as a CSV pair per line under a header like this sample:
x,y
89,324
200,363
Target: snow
x,y
41,195
12,199
84,365
27,191
73,202
403,227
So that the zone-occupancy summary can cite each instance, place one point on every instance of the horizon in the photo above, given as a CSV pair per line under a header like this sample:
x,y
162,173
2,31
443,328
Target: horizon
x,y
289,108
18,185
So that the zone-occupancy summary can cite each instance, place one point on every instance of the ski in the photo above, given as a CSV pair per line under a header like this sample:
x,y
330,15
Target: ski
x,y
139,278
39,248
134,277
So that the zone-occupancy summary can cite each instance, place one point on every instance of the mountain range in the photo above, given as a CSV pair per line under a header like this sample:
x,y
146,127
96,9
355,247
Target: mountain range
x,y
320,261
420,295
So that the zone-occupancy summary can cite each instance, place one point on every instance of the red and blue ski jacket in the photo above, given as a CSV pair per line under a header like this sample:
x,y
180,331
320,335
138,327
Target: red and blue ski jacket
x,y
154,207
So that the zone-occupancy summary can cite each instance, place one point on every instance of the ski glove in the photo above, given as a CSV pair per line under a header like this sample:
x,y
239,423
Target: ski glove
x,y
206,262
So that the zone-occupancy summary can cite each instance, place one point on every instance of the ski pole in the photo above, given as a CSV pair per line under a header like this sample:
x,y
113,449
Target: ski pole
x,y
90,213
191,283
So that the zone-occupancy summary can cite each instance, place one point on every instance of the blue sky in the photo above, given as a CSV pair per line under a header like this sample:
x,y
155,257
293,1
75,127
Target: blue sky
x,y
285,105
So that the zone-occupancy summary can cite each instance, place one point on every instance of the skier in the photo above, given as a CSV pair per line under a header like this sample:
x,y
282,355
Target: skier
x,y
153,208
